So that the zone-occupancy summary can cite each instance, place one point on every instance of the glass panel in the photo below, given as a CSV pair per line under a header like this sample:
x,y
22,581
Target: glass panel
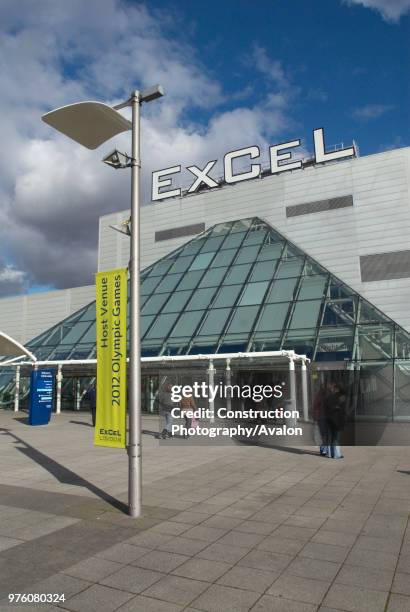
x,y
145,322
201,261
270,252
212,244
161,267
368,314
177,301
214,322
375,341
255,237
402,344
237,274
263,270
90,334
273,317
312,287
201,298
162,325
187,324
253,293
154,304
282,290
340,311
193,247
181,264
247,254
289,268
224,258
305,314
149,284
402,388
190,280
227,296
335,344
75,333
376,390
233,241
168,283
243,320
89,313
213,278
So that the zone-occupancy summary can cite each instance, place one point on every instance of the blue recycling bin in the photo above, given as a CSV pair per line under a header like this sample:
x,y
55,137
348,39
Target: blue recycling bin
x,y
41,397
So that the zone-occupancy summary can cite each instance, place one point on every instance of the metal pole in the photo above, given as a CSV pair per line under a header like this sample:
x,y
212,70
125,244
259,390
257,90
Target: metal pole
x,y
228,382
305,392
58,388
292,388
134,439
17,390
211,379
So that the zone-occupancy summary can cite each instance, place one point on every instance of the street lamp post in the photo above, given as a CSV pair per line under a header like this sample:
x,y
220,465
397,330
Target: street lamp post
x,y
91,124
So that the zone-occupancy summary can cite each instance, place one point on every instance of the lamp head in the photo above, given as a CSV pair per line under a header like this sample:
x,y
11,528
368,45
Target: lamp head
x,y
117,160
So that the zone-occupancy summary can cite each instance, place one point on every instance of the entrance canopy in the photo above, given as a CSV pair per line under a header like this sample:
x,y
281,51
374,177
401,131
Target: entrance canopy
x,y
11,348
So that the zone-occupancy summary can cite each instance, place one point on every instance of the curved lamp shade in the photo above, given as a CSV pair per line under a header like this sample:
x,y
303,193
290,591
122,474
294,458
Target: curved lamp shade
x,y
88,123
11,348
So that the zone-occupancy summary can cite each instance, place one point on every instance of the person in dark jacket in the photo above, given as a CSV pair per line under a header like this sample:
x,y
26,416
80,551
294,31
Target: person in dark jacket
x,y
335,410
92,398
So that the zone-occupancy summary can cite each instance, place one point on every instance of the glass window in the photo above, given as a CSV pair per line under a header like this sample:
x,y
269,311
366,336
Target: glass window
x,y
193,247
247,254
190,280
233,241
282,290
243,319
263,270
148,284
227,296
201,261
312,287
238,274
161,267
224,258
177,301
89,313
289,268
270,251
75,333
187,324
369,314
154,304
254,293
255,237
214,322
201,298
90,335
305,314
273,317
168,283
145,322
162,326
181,264
212,244
375,341
213,277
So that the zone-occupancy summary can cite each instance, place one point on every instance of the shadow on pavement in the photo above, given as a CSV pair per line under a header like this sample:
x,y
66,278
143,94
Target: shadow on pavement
x,y
404,472
61,473
82,423
23,420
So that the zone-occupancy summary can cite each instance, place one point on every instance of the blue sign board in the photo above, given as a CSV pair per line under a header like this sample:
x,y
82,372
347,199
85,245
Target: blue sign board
x,y
41,396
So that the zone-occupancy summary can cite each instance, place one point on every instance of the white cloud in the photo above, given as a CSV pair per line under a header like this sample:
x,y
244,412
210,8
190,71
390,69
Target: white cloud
x,y
12,281
51,190
372,111
390,10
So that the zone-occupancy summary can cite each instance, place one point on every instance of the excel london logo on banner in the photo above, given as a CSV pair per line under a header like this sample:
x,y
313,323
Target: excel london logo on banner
x,y
280,161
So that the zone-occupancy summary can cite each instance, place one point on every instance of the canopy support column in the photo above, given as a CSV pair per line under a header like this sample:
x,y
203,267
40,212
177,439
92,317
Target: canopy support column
x,y
211,379
292,385
228,382
305,402
59,380
17,390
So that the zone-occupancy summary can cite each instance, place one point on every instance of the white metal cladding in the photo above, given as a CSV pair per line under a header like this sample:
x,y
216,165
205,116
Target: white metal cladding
x,y
378,222
24,317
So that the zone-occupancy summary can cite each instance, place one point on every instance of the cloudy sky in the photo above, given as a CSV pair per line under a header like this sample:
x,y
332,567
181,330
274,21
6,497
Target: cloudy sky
x,y
236,73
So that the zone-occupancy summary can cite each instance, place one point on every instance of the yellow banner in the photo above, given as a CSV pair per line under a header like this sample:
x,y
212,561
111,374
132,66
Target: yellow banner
x,y
111,317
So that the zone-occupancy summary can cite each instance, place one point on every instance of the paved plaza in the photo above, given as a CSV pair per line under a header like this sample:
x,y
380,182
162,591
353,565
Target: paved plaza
x,y
225,528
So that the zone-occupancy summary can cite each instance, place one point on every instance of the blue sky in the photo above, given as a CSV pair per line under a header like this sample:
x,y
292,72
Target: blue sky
x,y
235,73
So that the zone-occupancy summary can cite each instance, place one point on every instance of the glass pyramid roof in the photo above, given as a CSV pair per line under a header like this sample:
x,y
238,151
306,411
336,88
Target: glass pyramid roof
x,y
241,286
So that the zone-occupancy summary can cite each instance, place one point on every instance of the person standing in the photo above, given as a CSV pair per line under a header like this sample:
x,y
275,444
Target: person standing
x,y
92,398
187,405
165,408
335,409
